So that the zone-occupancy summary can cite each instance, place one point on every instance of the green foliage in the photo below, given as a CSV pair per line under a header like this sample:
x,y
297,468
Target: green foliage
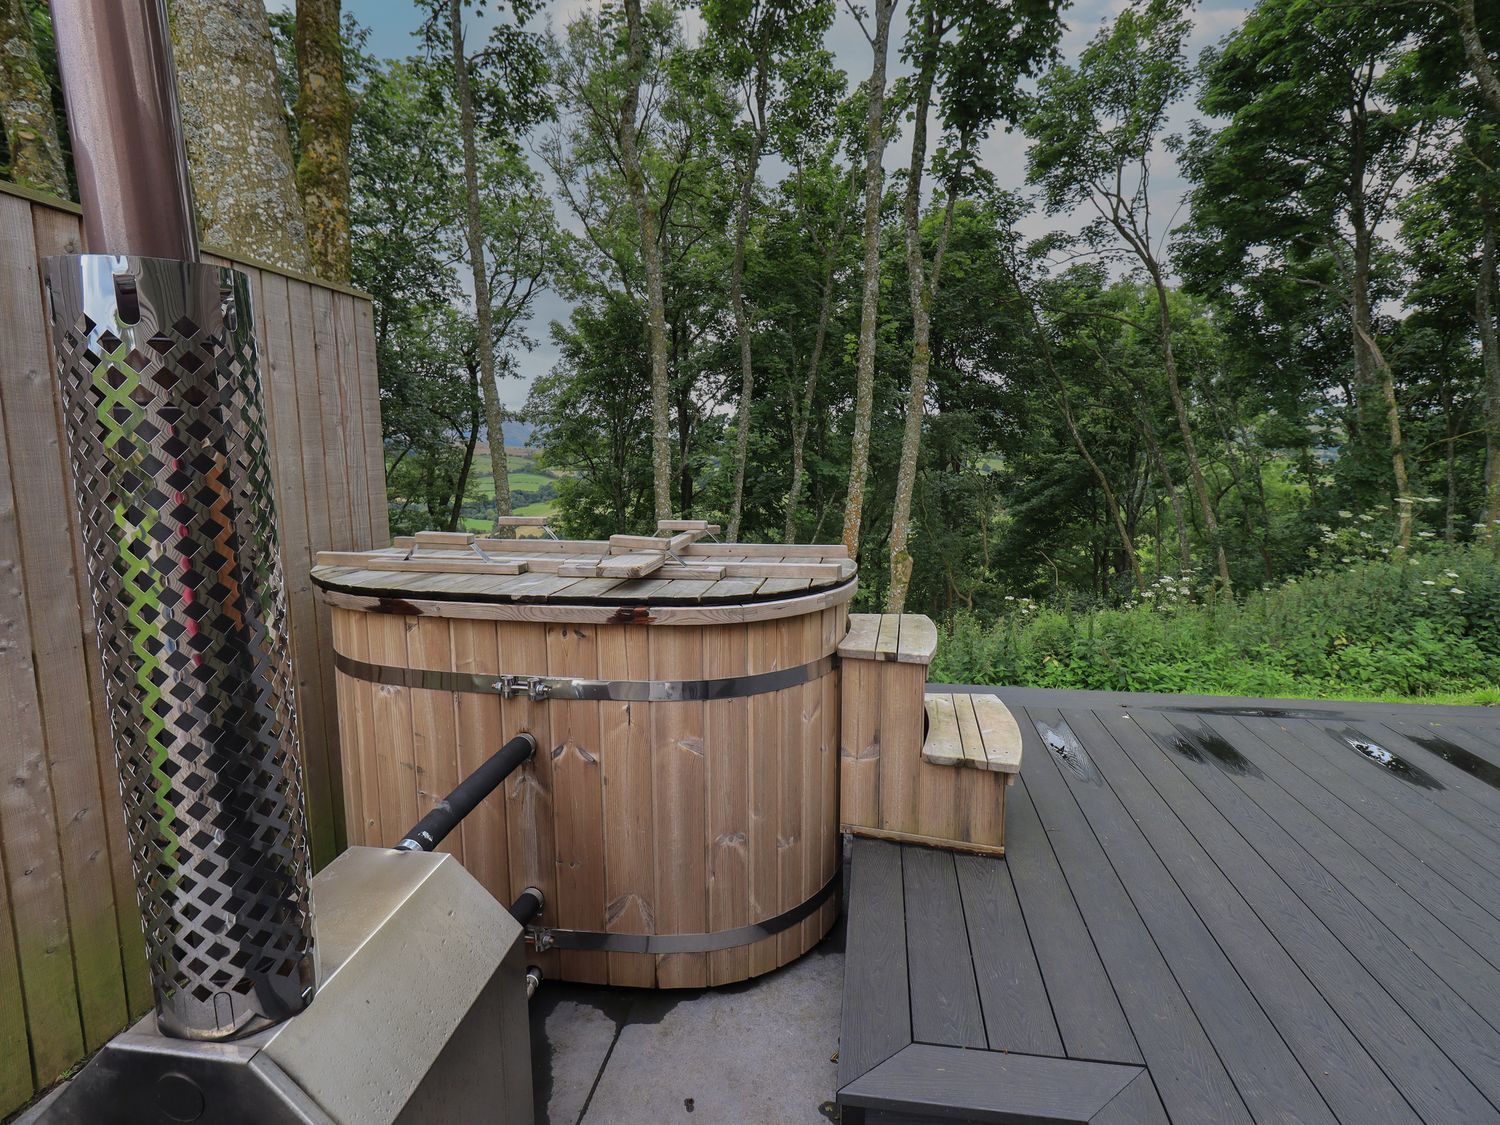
x,y
1371,629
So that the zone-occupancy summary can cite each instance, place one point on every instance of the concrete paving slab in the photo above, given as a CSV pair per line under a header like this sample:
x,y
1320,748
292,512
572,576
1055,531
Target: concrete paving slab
x,y
758,1053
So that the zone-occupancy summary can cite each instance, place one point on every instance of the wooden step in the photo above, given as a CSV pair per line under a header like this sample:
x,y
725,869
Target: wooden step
x,y
971,730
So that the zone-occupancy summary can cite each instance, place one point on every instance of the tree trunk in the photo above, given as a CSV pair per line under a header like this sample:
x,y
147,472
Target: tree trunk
x,y
494,414
922,290
864,393
325,116
1190,447
1489,344
1478,56
234,123
1110,500
30,123
801,418
468,464
635,182
737,296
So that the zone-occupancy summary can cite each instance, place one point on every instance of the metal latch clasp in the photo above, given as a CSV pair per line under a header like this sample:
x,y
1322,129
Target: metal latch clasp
x,y
540,938
535,688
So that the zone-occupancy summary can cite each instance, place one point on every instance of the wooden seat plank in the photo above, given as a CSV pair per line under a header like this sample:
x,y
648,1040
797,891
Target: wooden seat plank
x,y
1001,734
943,745
888,637
859,641
968,730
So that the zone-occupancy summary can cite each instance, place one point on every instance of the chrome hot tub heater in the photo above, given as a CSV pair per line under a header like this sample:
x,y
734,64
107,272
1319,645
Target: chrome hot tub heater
x,y
404,997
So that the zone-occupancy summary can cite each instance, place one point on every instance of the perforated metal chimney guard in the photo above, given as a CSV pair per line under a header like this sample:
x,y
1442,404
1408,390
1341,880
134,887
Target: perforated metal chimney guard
x,y
170,463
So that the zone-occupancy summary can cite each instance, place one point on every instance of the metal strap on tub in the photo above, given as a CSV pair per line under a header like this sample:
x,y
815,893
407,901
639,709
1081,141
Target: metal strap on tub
x,y
545,937
562,687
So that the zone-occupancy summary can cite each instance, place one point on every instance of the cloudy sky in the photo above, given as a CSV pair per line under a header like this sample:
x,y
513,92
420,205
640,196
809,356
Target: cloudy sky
x,y
392,25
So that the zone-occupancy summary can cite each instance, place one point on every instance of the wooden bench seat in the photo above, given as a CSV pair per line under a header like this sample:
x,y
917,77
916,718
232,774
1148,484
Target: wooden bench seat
x,y
976,731
899,745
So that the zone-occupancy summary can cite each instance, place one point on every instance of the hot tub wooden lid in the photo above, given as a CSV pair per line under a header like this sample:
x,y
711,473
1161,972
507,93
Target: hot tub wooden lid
x,y
679,565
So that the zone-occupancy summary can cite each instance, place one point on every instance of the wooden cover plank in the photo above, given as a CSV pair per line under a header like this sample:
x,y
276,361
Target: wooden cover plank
x,y
940,967
876,1019
635,565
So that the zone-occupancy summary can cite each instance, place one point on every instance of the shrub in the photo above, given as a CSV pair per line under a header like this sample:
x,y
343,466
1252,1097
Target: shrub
x,y
1375,627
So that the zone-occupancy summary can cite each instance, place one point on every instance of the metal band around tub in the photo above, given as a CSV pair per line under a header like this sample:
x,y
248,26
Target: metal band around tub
x,y
562,687
592,941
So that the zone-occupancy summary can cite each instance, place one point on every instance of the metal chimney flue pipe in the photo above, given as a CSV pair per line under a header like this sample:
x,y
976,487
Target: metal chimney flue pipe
x,y
171,470
115,59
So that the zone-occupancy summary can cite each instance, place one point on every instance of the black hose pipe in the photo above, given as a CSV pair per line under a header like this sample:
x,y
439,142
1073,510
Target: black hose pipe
x,y
444,816
528,906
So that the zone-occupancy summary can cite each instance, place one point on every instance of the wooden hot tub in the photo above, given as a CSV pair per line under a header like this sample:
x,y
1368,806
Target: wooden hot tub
x,y
680,815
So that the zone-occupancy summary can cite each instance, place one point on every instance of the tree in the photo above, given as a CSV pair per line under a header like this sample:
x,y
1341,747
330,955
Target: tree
x,y
1093,137
30,124
325,116
635,182
509,73
238,150
977,75
765,49
878,35
1306,170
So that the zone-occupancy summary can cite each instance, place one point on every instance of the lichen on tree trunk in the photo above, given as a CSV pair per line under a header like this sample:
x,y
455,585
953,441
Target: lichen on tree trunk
x,y
325,116
239,154
26,106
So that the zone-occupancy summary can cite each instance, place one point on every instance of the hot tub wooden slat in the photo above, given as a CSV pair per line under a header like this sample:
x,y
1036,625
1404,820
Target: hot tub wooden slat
x,y
679,795
578,799
479,730
726,722
529,792
629,815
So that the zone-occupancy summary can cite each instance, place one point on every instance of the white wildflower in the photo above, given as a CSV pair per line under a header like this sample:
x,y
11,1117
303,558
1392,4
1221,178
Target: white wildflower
x,y
1428,582
1454,590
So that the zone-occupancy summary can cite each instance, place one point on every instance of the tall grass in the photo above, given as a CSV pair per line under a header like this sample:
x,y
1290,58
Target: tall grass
x,y
1372,628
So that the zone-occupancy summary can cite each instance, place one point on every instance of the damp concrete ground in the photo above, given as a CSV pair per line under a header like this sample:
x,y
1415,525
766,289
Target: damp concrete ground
x,y
758,1053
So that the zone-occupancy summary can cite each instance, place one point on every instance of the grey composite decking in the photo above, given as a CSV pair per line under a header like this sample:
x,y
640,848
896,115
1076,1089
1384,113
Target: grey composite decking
x,y
1210,910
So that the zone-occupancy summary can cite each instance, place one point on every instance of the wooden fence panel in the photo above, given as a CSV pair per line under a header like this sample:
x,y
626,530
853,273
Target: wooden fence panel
x,y
72,967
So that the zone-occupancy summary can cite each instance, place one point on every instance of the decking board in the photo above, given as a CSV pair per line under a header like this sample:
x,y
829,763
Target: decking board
x,y
1225,892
